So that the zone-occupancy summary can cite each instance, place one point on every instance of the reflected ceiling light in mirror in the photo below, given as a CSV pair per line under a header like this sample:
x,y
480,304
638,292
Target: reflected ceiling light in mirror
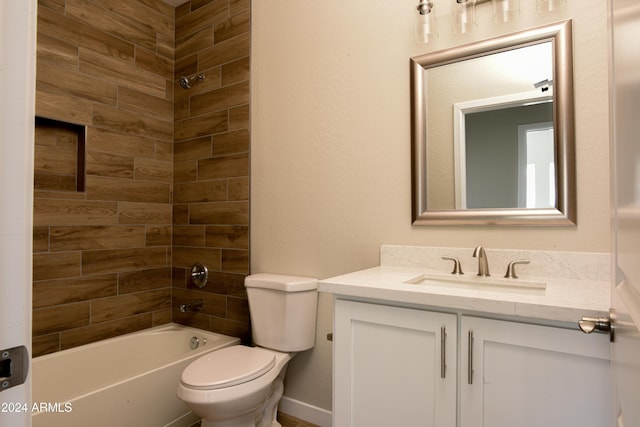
x,y
505,10
464,16
550,5
426,23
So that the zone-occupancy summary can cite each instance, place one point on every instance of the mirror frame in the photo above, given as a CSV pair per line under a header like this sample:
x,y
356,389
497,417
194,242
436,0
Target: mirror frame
x,y
560,34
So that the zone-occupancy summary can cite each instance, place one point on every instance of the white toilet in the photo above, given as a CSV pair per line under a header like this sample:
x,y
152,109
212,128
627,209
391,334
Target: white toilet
x,y
241,386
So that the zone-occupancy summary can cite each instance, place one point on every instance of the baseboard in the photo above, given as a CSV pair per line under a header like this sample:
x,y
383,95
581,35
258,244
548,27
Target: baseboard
x,y
305,411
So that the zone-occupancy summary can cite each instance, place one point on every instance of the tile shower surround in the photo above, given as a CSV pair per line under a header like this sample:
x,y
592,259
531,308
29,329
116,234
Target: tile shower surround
x,y
166,169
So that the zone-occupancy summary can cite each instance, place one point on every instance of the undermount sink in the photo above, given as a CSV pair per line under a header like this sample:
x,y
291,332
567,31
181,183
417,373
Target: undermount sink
x,y
480,283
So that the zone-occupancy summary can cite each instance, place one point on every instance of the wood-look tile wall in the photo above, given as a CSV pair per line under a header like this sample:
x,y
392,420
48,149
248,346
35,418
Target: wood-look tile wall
x,y
102,257
167,169
211,163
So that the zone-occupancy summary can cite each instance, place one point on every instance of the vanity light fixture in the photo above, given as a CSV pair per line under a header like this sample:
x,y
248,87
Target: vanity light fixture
x,y
549,5
464,15
505,10
426,24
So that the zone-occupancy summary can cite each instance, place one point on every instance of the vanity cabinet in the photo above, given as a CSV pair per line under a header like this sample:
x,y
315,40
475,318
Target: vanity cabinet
x,y
409,367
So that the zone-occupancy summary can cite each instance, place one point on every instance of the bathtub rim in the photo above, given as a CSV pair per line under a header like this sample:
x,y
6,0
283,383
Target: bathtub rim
x,y
152,330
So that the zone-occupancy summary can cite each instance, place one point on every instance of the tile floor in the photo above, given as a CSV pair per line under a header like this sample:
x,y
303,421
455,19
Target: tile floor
x,y
285,420
289,421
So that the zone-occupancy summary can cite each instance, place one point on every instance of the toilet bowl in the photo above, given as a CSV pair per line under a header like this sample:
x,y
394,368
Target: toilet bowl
x,y
241,386
243,392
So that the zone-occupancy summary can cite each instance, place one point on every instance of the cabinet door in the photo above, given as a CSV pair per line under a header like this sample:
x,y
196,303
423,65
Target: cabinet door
x,y
531,376
387,366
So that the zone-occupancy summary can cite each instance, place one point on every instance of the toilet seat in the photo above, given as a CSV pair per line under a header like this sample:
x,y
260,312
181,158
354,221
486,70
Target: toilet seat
x,y
228,367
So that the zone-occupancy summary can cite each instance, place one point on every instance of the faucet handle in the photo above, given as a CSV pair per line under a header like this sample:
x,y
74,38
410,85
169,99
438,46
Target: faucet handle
x,y
457,268
511,268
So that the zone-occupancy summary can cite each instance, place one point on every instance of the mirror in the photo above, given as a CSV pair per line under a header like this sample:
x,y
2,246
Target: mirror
x,y
493,132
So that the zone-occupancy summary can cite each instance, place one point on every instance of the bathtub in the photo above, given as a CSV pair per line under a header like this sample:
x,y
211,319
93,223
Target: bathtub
x,y
129,380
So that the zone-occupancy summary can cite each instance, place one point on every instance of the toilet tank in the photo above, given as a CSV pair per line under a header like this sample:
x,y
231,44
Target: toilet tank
x,y
283,311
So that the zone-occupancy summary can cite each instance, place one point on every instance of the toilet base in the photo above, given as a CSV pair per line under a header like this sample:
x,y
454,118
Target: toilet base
x,y
264,416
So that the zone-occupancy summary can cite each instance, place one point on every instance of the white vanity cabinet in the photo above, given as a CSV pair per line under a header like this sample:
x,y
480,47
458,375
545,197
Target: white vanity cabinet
x,y
392,367
388,366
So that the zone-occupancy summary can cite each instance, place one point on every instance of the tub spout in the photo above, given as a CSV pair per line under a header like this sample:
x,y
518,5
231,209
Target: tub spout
x,y
191,306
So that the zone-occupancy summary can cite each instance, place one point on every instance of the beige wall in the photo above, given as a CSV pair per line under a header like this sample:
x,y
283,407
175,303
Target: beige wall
x,y
330,159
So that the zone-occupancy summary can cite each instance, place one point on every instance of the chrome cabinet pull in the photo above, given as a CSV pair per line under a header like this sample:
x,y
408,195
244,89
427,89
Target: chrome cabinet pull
x,y
470,361
443,352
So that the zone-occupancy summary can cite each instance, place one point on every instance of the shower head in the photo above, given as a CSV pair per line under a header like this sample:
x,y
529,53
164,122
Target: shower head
x,y
186,82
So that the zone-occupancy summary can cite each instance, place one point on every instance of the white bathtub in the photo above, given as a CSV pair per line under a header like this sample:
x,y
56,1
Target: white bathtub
x,y
130,380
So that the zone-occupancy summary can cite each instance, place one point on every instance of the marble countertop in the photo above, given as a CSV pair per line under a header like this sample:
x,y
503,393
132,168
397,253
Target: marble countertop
x,y
563,300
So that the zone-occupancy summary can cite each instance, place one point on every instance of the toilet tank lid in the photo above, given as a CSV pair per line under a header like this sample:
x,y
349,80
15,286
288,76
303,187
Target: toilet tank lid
x,y
281,282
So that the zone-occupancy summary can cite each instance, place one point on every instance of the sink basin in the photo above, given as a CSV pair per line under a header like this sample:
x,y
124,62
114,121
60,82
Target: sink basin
x,y
478,283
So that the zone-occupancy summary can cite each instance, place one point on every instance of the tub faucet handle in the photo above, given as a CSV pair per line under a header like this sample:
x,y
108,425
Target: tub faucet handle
x,y
457,268
511,268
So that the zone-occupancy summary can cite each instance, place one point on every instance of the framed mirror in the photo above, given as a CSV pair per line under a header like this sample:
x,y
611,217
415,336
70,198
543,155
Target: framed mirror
x,y
493,131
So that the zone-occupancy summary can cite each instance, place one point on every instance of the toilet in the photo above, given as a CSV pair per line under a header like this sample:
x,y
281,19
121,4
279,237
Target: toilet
x,y
241,386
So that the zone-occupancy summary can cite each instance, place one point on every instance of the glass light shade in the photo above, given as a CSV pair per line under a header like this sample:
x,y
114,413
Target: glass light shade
x,y
426,24
464,16
505,10
549,5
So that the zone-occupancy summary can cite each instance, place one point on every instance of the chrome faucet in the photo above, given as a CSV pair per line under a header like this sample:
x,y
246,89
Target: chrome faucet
x,y
191,306
483,264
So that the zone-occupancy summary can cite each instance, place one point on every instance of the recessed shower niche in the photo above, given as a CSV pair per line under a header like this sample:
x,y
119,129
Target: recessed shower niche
x,y
59,156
